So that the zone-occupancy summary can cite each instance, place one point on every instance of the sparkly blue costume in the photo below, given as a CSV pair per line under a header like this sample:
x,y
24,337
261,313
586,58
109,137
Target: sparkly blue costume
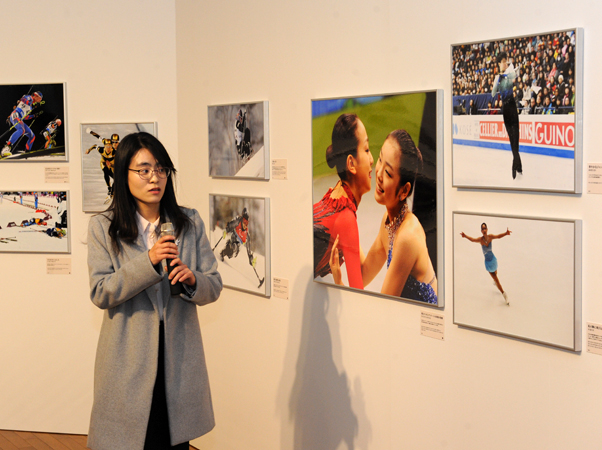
x,y
416,290
490,259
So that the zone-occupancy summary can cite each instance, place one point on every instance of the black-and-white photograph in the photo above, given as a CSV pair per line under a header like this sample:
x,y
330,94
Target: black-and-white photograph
x,y
34,221
238,141
99,144
240,239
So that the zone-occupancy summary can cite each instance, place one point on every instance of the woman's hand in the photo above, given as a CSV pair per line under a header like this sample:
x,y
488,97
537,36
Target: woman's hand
x,y
164,248
181,272
335,266
462,234
508,232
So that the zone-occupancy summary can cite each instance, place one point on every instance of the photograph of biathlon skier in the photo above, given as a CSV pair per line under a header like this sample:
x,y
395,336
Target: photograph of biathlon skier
x,y
376,224
524,279
33,221
238,141
32,125
98,148
239,237
517,113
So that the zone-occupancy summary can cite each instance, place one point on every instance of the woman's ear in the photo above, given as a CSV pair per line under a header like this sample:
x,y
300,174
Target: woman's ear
x,y
351,164
405,191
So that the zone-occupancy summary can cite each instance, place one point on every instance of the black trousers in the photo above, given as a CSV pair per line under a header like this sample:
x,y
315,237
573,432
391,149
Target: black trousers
x,y
510,113
157,432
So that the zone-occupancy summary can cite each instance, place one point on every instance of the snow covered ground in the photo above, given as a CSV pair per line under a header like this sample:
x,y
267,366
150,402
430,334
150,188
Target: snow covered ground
x,y
32,238
255,166
237,272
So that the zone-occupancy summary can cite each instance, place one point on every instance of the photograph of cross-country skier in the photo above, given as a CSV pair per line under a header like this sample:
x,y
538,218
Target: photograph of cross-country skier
x,y
377,194
238,141
98,148
34,221
33,128
519,277
517,113
240,239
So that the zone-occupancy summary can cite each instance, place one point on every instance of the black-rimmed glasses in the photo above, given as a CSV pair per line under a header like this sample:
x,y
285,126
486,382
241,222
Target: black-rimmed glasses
x,y
146,174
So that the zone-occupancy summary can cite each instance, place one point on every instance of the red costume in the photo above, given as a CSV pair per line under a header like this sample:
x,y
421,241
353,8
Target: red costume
x,y
334,217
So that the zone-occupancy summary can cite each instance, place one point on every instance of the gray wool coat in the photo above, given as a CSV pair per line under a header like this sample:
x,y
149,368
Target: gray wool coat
x,y
123,284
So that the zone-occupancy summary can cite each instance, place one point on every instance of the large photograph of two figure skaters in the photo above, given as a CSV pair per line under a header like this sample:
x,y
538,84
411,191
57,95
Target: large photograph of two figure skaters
x,y
518,276
32,122
517,112
376,194
240,240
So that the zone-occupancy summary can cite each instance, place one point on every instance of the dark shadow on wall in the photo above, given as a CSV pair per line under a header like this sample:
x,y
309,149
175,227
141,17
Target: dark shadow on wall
x,y
319,394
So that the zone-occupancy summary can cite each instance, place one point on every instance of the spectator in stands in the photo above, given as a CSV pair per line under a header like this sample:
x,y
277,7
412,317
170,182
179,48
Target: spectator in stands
x,y
532,106
547,107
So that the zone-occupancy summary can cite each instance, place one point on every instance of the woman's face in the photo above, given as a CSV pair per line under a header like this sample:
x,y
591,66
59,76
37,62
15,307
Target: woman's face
x,y
484,230
387,190
363,160
146,192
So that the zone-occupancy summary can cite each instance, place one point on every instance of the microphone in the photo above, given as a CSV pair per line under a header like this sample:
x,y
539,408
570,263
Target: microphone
x,y
168,230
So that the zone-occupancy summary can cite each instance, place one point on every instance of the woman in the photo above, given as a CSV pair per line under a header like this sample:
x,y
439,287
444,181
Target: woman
x,y
150,355
401,240
490,259
335,214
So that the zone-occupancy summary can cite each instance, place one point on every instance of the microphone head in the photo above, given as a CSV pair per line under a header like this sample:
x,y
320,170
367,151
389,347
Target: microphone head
x,y
167,229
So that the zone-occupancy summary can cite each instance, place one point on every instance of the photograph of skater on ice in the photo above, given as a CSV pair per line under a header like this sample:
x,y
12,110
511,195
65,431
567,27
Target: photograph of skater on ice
x,y
33,128
34,222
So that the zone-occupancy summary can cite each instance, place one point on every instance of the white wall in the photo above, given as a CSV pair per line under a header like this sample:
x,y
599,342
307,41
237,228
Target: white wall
x,y
118,60
326,369
331,369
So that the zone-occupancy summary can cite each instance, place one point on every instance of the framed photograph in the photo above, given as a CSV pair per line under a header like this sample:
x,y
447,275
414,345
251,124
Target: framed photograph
x,y
240,238
34,221
35,125
517,113
99,142
238,141
378,194
518,277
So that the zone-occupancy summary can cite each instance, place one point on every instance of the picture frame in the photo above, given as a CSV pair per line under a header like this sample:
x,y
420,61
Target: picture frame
x,y
36,125
34,222
97,158
239,234
239,141
537,265
536,146
420,113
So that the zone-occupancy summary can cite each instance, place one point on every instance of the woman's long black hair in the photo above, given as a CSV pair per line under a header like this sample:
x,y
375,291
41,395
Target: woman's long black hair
x,y
124,226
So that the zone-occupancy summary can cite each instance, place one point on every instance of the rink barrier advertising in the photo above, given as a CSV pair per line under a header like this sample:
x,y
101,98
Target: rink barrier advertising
x,y
549,156
239,235
34,222
420,114
536,307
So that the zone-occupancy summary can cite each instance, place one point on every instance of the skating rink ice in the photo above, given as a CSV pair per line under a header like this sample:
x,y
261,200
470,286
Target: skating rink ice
x,y
492,168
536,268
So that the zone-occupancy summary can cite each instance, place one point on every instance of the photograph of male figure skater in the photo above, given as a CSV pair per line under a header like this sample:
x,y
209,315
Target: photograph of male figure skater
x,y
23,106
503,84
490,260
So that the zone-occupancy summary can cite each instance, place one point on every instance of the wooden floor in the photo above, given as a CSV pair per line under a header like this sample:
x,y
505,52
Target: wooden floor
x,y
25,440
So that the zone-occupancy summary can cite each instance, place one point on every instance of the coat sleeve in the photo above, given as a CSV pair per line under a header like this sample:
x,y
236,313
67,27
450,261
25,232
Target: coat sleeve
x,y
208,280
115,279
